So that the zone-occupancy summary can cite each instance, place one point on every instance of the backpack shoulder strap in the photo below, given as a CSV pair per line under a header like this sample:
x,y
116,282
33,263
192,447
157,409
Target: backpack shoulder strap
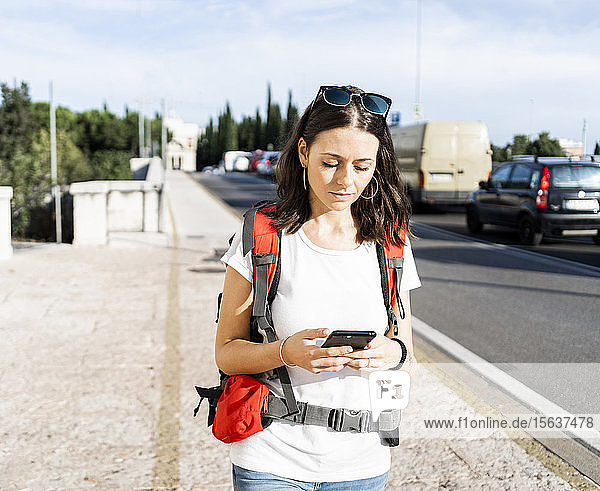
x,y
260,237
391,262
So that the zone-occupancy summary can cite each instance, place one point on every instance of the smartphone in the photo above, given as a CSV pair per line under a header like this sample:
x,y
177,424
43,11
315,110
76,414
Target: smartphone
x,y
357,339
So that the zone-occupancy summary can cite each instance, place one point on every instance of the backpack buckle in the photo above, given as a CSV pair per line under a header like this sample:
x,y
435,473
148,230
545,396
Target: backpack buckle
x,y
349,420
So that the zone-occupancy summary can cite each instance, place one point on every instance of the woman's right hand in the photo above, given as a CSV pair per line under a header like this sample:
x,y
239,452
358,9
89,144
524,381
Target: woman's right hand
x,y
300,350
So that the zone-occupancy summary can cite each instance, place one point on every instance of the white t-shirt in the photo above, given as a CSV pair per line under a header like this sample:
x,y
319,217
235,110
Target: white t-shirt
x,y
321,288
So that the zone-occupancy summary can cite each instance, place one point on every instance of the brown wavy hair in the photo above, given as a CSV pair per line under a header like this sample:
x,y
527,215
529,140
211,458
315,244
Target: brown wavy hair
x,y
378,219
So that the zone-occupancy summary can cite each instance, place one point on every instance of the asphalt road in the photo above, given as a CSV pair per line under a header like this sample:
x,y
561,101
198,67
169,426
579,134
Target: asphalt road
x,y
452,218
536,316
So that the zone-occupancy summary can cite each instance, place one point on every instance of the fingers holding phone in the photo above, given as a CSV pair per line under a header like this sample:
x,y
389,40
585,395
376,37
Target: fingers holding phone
x,y
379,354
301,350
355,341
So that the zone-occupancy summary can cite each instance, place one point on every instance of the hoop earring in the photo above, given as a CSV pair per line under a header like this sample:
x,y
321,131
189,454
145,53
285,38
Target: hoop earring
x,y
304,178
376,191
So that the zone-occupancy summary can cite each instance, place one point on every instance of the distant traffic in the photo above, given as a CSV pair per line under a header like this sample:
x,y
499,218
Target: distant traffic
x,y
450,163
260,161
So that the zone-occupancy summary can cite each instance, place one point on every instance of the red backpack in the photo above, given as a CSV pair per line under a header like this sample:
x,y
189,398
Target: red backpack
x,y
241,405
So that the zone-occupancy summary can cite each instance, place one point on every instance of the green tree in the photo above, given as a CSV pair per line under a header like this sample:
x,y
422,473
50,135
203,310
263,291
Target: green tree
x,y
100,130
213,144
129,127
259,132
22,163
274,126
499,154
66,120
111,165
273,131
207,147
246,137
72,164
519,145
156,135
544,146
597,149
227,132
291,117
17,124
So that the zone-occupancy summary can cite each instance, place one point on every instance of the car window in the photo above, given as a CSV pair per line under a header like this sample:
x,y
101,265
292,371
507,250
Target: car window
x,y
575,176
535,178
520,177
499,179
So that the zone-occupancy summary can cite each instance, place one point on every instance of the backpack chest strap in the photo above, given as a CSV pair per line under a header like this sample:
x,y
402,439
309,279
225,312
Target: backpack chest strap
x,y
337,419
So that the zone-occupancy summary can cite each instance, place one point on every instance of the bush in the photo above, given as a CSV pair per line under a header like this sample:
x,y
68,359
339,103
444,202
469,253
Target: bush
x,y
110,165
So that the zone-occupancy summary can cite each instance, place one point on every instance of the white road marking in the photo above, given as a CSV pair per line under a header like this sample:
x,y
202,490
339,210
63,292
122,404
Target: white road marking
x,y
509,384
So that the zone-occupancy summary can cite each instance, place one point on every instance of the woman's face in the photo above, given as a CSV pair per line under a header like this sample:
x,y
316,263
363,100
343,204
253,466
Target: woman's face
x,y
340,164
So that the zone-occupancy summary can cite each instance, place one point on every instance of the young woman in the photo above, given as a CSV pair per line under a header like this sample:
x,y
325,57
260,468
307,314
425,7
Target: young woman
x,y
339,193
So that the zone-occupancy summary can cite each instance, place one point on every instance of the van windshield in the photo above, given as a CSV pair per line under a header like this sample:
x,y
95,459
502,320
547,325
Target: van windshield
x,y
575,176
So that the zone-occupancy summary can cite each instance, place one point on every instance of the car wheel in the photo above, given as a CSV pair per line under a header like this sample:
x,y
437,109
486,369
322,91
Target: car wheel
x,y
527,232
474,225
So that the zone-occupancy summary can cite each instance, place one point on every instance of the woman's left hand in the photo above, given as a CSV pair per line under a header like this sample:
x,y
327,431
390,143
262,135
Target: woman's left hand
x,y
380,354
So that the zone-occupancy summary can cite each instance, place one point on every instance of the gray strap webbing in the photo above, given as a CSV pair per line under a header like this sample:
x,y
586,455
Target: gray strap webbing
x,y
282,373
261,261
248,231
397,264
338,419
393,319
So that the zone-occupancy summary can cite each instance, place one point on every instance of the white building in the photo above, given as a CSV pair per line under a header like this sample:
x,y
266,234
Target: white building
x,y
181,148
571,147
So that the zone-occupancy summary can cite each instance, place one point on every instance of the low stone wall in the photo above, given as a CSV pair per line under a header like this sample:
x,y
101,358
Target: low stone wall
x,y
6,193
100,207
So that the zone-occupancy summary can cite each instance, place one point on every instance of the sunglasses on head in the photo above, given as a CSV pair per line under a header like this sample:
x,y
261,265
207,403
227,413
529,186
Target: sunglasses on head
x,y
341,96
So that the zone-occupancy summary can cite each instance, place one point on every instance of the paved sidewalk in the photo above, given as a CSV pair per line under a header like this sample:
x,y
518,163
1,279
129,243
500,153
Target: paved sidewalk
x,y
101,348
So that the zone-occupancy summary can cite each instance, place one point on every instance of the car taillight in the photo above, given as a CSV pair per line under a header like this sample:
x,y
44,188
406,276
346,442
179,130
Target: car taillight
x,y
421,178
541,200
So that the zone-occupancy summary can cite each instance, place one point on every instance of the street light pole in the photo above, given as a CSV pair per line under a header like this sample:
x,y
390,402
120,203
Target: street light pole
x,y
141,131
418,114
531,103
148,138
53,171
163,134
584,137
141,122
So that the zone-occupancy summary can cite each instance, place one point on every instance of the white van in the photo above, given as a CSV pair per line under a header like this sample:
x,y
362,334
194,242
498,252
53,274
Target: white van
x,y
442,161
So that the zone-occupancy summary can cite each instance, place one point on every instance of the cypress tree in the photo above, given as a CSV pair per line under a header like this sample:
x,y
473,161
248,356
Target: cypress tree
x,y
259,142
291,117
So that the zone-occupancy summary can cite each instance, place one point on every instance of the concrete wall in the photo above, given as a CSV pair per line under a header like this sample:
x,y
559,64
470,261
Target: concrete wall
x,y
6,193
100,207
148,169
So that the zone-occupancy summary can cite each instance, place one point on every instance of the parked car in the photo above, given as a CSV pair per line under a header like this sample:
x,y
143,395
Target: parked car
x,y
256,156
236,160
553,195
267,163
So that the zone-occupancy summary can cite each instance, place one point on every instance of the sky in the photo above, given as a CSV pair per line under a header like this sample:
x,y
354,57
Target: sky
x,y
520,66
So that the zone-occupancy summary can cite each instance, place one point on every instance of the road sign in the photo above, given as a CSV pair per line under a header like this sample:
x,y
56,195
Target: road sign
x,y
395,118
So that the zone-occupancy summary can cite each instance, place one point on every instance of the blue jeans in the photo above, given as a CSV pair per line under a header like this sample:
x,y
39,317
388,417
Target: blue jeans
x,y
246,480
